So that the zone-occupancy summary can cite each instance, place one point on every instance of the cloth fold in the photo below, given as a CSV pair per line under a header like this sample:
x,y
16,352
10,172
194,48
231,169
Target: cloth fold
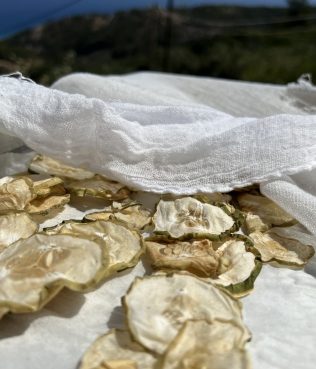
x,y
164,133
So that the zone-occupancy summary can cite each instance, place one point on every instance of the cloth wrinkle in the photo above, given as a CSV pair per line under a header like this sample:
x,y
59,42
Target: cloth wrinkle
x,y
164,133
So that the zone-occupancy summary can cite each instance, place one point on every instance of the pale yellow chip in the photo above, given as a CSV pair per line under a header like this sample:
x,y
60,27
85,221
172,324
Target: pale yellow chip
x,y
100,215
213,198
229,265
122,245
187,217
33,270
272,246
15,194
210,198
45,205
44,181
195,256
3,311
253,223
119,364
134,215
238,268
235,263
269,213
5,180
58,190
158,306
46,165
299,233
199,344
15,226
48,186
117,350
98,186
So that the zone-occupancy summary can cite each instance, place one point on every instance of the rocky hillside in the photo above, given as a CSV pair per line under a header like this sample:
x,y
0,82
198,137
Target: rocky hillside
x,y
258,44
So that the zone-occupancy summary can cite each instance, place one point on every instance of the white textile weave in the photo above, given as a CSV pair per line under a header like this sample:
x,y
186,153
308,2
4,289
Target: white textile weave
x,y
165,133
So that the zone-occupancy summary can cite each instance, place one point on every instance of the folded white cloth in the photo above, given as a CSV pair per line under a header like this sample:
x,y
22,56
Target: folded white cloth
x,y
165,133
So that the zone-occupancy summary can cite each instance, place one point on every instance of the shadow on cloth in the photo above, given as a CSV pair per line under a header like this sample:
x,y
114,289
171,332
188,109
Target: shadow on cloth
x,y
117,315
310,268
66,305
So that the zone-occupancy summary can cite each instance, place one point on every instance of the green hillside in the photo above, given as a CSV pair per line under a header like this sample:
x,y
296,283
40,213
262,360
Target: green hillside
x,y
256,44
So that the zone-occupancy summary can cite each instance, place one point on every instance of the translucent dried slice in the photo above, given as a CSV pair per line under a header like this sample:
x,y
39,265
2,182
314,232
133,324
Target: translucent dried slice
x,y
275,246
213,198
117,350
235,263
14,226
253,189
254,223
195,256
98,186
32,271
15,194
49,186
295,232
187,216
200,344
123,245
157,307
46,204
304,251
40,183
58,190
47,165
229,265
118,364
3,311
269,212
5,180
245,287
135,215
100,215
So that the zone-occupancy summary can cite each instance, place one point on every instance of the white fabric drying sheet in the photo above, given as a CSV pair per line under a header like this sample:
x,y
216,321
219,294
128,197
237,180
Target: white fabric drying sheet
x,y
167,133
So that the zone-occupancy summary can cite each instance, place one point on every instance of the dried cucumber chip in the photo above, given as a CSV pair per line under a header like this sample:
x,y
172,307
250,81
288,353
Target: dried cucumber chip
x,y
278,246
44,205
213,198
133,214
33,196
200,344
48,186
46,165
117,350
195,256
235,263
98,186
228,263
265,213
14,226
188,218
254,223
32,271
122,245
15,194
158,306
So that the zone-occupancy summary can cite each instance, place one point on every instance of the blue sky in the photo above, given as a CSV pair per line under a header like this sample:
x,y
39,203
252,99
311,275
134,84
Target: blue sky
x,y
20,14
